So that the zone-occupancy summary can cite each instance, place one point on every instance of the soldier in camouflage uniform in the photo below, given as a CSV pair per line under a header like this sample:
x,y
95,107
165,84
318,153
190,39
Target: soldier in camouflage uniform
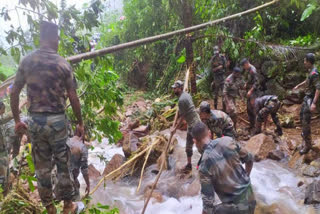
x,y
4,157
218,64
218,122
188,112
231,90
254,87
78,161
312,84
49,81
221,172
264,106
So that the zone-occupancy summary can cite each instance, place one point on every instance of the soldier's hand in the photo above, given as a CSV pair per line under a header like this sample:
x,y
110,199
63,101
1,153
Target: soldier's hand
x,y
249,94
87,190
80,131
313,107
20,128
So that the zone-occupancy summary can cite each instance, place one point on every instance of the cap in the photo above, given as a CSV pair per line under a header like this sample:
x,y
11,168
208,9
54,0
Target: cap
x,y
177,84
48,31
204,106
236,70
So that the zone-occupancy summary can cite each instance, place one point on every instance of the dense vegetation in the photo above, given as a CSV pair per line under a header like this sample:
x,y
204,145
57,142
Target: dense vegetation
x,y
155,66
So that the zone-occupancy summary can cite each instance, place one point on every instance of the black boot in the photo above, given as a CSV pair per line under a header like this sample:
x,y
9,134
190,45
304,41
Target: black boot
x,y
215,104
279,131
306,146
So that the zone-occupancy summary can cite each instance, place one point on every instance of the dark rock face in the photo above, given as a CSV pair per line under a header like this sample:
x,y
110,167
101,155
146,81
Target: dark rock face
x,y
313,193
276,155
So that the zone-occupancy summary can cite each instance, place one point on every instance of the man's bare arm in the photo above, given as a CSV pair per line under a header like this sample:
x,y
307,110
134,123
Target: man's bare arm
x,y
14,102
300,85
75,104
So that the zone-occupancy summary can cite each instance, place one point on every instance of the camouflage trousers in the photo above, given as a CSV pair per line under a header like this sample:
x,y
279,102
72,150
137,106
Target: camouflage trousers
x,y
217,86
250,107
244,205
231,110
4,168
305,119
48,134
189,143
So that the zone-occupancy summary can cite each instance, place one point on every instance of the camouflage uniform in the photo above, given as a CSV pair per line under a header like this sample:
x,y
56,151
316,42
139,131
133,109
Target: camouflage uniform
x,y
218,76
48,77
220,124
189,113
313,84
254,80
221,171
231,90
79,161
4,160
264,106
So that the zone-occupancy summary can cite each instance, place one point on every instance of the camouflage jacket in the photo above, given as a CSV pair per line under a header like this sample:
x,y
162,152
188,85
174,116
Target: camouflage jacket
x,y
48,76
254,79
187,109
262,101
216,61
221,171
312,82
232,86
79,157
218,122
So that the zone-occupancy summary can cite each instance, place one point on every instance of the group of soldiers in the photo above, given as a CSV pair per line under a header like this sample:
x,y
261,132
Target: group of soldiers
x,y
220,167
49,80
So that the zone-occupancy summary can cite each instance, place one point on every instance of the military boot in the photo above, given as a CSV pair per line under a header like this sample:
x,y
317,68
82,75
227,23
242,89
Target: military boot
x,y
307,145
216,103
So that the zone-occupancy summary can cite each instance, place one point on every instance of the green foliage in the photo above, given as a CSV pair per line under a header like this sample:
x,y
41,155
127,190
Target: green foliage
x,y
102,209
308,11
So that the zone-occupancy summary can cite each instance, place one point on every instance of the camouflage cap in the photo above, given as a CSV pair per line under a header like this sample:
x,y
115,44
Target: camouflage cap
x,y
177,84
236,70
48,31
204,106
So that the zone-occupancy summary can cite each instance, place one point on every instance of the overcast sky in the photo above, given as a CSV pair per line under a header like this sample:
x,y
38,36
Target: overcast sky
x,y
11,4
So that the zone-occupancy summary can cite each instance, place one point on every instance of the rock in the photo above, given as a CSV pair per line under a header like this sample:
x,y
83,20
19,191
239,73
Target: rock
x,y
311,156
130,144
296,160
193,189
93,172
116,161
312,195
300,183
260,145
292,144
310,171
273,87
316,145
316,163
142,129
276,155
155,194
134,124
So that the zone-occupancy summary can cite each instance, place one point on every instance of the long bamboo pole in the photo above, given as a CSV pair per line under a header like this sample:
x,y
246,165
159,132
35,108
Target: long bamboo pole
x,y
164,153
112,49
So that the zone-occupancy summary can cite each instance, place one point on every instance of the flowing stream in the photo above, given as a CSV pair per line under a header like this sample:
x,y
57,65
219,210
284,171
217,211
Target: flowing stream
x,y
275,186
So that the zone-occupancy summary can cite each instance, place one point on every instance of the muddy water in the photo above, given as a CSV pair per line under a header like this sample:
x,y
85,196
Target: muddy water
x,y
275,186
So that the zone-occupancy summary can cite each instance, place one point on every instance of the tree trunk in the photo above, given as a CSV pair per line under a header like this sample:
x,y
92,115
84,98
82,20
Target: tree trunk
x,y
187,17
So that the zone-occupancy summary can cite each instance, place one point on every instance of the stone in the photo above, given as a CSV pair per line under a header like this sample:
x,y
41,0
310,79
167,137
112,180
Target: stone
x,y
300,183
296,160
316,163
130,144
311,156
260,145
93,172
134,124
276,155
310,171
292,144
316,145
312,195
116,161
155,194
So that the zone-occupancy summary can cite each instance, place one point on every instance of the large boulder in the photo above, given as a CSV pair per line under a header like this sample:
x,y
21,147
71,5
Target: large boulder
x,y
93,172
116,161
276,155
260,146
312,195
296,160
130,144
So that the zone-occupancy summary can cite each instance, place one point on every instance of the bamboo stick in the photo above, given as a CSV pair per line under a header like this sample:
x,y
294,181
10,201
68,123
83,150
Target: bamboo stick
x,y
112,49
164,153
124,165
